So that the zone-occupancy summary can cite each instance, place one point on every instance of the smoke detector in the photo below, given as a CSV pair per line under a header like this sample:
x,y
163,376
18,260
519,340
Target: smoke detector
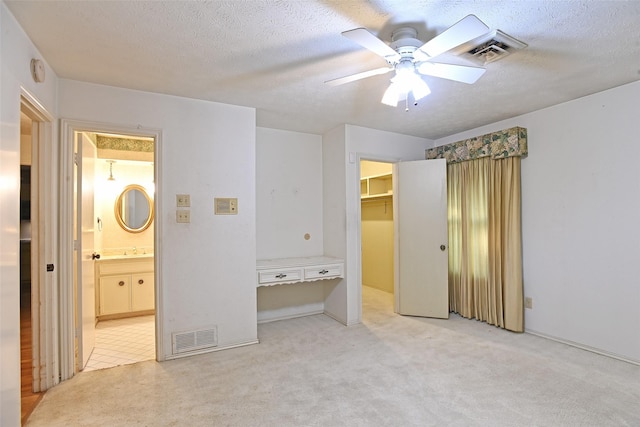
x,y
489,47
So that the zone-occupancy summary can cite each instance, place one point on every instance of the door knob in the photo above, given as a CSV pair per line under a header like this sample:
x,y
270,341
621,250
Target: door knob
x,y
443,247
95,255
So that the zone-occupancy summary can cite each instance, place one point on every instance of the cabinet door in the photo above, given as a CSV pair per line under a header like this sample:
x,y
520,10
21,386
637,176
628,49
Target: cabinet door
x,y
142,292
115,294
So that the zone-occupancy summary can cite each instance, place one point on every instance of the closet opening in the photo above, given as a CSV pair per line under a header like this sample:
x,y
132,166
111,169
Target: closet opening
x,y
377,234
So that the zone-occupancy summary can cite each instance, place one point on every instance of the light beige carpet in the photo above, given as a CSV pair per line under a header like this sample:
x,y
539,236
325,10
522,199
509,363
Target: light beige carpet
x,y
389,371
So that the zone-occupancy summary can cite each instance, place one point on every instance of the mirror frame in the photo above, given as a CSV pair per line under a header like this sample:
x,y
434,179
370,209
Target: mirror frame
x,y
118,209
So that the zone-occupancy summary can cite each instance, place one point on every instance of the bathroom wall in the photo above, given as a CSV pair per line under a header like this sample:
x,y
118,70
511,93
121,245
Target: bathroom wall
x,y
113,239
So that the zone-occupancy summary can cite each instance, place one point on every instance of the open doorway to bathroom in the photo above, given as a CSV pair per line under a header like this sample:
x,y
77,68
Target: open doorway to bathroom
x,y
377,235
114,219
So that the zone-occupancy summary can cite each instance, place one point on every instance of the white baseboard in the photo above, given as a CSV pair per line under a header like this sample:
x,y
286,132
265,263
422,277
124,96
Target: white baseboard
x,y
340,319
210,350
274,317
583,347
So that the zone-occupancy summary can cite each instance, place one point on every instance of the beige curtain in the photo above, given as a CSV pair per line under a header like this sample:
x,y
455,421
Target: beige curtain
x,y
485,243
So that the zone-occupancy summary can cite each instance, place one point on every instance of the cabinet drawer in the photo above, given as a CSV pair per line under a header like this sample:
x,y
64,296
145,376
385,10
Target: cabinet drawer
x,y
126,267
276,276
323,271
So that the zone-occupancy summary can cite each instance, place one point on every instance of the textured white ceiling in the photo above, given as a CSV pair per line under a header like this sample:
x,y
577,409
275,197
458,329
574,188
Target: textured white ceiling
x,y
275,55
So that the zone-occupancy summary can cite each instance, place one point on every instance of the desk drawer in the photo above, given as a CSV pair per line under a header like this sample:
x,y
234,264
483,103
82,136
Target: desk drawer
x,y
277,276
323,271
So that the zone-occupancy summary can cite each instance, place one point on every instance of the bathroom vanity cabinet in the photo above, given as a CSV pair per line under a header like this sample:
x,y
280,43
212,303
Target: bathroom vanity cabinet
x,y
125,287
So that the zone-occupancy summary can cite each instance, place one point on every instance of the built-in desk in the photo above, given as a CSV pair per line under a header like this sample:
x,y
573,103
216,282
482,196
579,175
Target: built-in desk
x,y
294,270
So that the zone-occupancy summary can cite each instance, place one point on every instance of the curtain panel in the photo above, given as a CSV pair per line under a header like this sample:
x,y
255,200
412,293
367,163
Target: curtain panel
x,y
484,216
485,243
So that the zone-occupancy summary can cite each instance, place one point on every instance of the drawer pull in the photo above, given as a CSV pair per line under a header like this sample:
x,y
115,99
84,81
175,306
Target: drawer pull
x,y
140,282
323,271
121,283
281,276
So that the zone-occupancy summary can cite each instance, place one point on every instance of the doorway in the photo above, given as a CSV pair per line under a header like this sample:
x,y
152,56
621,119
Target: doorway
x,y
109,236
115,297
417,193
28,396
377,232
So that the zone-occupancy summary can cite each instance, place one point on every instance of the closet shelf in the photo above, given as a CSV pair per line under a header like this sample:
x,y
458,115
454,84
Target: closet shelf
x,y
376,186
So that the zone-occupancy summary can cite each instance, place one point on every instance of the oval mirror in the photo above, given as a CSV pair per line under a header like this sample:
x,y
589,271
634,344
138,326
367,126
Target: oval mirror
x,y
134,209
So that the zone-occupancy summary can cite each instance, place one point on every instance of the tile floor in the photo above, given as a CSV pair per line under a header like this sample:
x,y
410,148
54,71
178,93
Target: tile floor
x,y
123,341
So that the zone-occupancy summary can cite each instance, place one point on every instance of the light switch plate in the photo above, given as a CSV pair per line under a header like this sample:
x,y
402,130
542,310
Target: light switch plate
x,y
183,216
183,200
225,206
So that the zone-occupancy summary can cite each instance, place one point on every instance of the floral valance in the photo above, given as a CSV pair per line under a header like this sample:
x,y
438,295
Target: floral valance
x,y
124,144
497,145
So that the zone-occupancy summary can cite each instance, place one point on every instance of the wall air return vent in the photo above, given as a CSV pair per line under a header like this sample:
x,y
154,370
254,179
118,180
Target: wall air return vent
x,y
489,48
184,342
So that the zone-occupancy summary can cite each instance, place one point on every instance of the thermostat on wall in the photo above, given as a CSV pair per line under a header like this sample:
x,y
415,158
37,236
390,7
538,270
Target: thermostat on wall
x,y
225,206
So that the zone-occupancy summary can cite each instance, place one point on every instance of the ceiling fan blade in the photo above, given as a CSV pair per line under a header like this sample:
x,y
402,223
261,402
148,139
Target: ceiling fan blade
x,y
363,75
460,73
367,40
468,28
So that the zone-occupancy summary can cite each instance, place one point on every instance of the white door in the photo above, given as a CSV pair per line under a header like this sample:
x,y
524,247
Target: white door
x,y
421,258
85,232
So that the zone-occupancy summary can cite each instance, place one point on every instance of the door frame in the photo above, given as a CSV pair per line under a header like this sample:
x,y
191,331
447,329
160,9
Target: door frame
x,y
358,260
44,284
67,306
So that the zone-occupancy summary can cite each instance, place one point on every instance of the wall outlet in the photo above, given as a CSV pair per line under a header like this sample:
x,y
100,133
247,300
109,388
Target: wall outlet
x,y
528,302
183,216
183,200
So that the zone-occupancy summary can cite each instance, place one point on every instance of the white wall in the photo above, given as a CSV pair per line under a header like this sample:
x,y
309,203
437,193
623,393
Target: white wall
x,y
342,150
288,206
580,210
288,194
207,267
16,51
113,239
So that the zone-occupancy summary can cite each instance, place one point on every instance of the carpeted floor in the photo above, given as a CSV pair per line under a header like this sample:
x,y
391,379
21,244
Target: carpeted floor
x,y
388,371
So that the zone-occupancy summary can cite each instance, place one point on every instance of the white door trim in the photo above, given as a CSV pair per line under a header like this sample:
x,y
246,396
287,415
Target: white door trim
x,y
68,128
43,243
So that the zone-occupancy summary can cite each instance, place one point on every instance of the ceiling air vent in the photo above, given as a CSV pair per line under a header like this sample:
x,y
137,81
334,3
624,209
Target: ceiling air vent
x,y
489,47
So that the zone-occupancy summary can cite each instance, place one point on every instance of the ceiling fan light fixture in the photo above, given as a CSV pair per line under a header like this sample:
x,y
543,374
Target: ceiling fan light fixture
x,y
405,82
419,88
391,95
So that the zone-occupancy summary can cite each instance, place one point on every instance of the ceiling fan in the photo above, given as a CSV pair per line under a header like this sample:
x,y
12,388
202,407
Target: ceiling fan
x,y
410,58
